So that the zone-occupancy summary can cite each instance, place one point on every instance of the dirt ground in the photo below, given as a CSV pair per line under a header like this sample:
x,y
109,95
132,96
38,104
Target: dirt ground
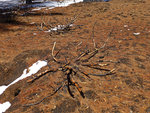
x,y
125,22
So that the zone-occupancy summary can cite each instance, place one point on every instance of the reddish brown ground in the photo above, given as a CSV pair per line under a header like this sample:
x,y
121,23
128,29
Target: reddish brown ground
x,y
127,91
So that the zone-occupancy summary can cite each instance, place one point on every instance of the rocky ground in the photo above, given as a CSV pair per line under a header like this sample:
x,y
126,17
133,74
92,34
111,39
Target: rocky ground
x,y
126,22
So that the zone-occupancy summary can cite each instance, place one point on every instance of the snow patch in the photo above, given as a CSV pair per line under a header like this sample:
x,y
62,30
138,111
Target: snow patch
x,y
4,0
34,33
136,33
59,27
36,9
53,4
6,4
2,89
32,23
125,25
32,70
4,106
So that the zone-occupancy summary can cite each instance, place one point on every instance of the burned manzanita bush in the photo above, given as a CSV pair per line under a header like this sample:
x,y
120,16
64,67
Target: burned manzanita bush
x,y
73,66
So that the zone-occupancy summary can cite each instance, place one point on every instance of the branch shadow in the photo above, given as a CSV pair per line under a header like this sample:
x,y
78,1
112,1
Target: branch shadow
x,y
8,20
8,17
42,14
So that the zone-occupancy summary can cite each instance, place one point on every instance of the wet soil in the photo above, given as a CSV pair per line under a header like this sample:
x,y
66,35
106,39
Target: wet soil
x,y
126,22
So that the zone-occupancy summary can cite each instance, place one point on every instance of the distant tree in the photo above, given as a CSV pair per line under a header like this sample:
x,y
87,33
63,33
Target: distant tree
x,y
28,1
96,0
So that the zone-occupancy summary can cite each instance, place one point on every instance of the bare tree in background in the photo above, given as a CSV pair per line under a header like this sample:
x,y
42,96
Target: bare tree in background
x,y
30,1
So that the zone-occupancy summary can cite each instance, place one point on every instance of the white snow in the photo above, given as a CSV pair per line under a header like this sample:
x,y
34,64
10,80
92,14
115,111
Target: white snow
x,y
4,106
53,4
59,27
36,9
32,70
39,64
2,89
38,6
125,25
32,23
34,33
136,33
5,0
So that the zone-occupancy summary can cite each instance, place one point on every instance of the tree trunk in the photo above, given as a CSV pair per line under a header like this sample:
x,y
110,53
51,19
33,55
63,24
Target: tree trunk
x,y
28,1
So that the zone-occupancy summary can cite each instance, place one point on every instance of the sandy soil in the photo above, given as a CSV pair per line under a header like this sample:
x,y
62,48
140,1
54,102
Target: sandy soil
x,y
126,22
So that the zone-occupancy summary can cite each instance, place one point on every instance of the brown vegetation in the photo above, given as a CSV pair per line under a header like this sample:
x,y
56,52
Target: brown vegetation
x,y
22,44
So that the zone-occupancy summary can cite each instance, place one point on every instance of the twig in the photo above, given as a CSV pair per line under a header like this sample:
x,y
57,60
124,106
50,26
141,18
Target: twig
x,y
40,75
72,82
84,73
93,39
41,29
108,73
109,36
71,22
70,68
97,64
69,82
79,44
82,55
97,49
78,88
53,56
57,20
93,54
94,67
108,61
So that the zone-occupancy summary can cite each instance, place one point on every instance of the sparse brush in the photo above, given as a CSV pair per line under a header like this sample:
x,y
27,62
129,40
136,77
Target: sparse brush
x,y
74,67
55,26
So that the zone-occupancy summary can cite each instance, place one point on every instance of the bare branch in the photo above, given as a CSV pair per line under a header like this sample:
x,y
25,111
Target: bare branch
x,y
109,36
93,39
53,56
35,77
70,67
107,73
